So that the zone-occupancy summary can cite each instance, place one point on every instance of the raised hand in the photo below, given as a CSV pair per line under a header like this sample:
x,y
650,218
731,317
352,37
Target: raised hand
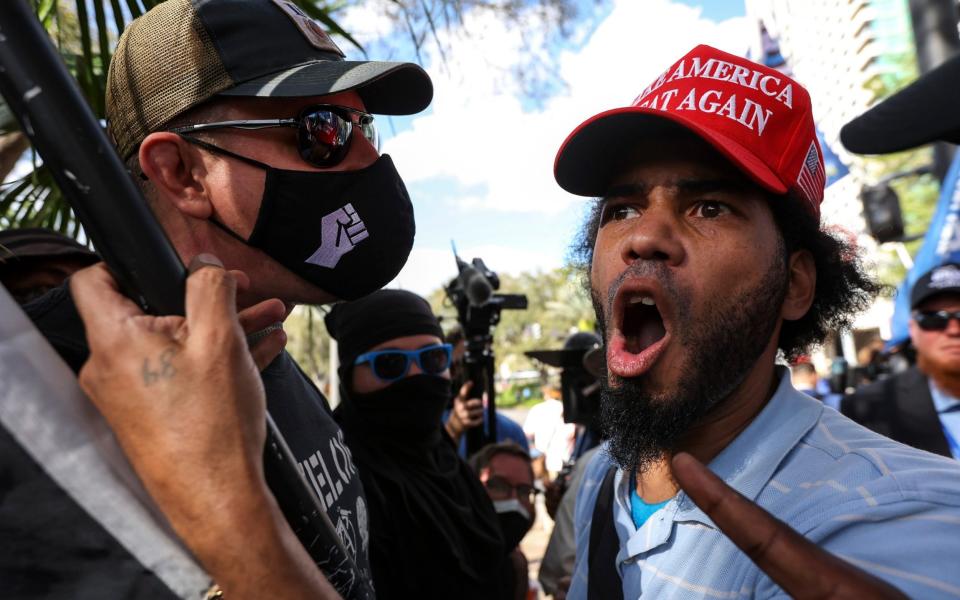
x,y
185,401
467,413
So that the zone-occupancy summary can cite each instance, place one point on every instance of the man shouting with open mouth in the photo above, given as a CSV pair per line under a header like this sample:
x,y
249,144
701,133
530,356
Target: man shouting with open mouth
x,y
706,259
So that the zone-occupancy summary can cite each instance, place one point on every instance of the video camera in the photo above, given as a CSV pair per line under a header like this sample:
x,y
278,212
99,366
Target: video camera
x,y
473,294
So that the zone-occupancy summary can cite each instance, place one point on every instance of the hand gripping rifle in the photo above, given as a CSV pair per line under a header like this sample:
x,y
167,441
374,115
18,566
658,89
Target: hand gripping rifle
x,y
478,312
114,214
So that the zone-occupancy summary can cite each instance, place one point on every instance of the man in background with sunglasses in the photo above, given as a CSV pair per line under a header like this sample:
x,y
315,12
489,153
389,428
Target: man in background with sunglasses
x,y
921,406
253,141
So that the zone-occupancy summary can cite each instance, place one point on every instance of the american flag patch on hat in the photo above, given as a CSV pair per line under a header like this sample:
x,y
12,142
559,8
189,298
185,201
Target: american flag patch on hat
x,y
812,177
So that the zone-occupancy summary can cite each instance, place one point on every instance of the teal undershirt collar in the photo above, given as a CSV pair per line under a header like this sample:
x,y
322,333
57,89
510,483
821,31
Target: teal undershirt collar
x,y
640,510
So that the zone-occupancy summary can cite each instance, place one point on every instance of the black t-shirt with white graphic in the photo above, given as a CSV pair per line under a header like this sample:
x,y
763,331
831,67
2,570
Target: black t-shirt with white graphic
x,y
304,418
51,548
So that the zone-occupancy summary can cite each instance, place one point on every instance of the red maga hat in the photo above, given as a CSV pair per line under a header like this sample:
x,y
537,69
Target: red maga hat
x,y
755,116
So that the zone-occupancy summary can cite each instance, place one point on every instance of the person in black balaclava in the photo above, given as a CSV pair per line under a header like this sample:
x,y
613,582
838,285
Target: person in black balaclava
x,y
433,529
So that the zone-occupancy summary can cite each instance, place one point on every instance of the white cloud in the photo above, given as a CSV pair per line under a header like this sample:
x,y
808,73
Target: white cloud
x,y
478,132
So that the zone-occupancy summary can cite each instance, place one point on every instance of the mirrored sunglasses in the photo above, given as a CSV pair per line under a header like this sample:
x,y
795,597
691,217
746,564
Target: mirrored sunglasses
x,y
324,131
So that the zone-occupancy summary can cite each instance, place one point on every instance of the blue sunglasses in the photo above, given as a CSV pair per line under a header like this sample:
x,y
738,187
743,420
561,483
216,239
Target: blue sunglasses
x,y
391,365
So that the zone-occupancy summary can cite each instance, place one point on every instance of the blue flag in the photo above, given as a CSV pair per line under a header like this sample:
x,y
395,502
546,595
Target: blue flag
x,y
940,245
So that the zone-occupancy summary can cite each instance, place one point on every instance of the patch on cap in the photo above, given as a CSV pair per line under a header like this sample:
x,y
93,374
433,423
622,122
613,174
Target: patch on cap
x,y
813,177
947,276
310,29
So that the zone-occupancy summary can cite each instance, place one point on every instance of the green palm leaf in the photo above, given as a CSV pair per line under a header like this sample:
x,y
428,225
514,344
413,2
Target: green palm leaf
x,y
85,40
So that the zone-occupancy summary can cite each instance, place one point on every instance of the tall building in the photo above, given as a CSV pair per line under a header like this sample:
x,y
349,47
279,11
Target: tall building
x,y
849,55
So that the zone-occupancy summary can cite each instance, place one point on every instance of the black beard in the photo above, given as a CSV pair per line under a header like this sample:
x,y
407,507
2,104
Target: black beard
x,y
643,425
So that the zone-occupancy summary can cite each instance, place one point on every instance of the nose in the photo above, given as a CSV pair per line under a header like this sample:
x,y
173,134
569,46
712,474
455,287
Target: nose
x,y
414,368
653,235
362,152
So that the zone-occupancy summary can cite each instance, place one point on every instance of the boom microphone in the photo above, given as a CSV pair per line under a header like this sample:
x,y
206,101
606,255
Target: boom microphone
x,y
475,286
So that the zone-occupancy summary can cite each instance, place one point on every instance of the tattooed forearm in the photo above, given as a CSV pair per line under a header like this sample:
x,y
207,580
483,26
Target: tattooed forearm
x,y
159,369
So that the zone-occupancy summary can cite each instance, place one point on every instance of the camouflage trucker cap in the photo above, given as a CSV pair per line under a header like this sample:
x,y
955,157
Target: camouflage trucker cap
x,y
183,52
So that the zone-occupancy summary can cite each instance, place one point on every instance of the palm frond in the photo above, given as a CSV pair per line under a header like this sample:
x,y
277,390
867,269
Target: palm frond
x,y
85,40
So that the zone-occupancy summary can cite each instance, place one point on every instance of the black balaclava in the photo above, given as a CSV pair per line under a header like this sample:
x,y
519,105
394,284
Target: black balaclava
x,y
427,508
407,409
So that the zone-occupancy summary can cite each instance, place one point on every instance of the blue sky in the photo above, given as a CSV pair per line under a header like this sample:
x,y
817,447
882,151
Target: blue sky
x,y
717,10
478,163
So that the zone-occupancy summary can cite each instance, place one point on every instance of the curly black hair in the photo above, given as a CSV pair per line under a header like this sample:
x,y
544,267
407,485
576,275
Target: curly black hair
x,y
843,290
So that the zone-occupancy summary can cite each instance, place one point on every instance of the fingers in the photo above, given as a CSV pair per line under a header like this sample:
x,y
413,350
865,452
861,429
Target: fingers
x,y
768,542
802,569
211,297
243,281
267,349
257,318
465,389
474,412
99,301
262,315
171,326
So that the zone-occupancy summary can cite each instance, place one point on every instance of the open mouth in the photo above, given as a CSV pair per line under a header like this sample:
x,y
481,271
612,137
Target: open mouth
x,y
642,324
639,335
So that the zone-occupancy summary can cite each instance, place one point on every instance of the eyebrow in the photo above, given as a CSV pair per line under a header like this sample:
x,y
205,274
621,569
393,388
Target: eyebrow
x,y
684,186
428,345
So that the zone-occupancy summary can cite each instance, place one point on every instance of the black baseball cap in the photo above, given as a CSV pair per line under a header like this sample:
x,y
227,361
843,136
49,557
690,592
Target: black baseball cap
x,y
925,111
37,243
184,52
944,279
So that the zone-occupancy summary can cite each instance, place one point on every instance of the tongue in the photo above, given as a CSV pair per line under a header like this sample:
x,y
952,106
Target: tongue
x,y
649,331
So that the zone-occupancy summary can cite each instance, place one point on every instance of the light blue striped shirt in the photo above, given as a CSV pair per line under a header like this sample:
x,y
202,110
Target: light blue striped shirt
x,y
887,508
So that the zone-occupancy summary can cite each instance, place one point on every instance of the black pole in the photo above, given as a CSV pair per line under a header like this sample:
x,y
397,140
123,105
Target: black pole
x,y
936,38
53,114
83,162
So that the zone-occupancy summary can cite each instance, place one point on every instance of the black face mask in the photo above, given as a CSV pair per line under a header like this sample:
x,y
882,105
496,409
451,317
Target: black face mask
x,y
347,232
406,409
515,521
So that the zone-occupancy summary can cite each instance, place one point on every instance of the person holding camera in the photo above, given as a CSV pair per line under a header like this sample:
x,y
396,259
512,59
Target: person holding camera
x,y
433,530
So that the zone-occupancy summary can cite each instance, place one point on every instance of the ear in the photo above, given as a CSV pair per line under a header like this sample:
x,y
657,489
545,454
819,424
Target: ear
x,y
914,330
802,270
175,169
